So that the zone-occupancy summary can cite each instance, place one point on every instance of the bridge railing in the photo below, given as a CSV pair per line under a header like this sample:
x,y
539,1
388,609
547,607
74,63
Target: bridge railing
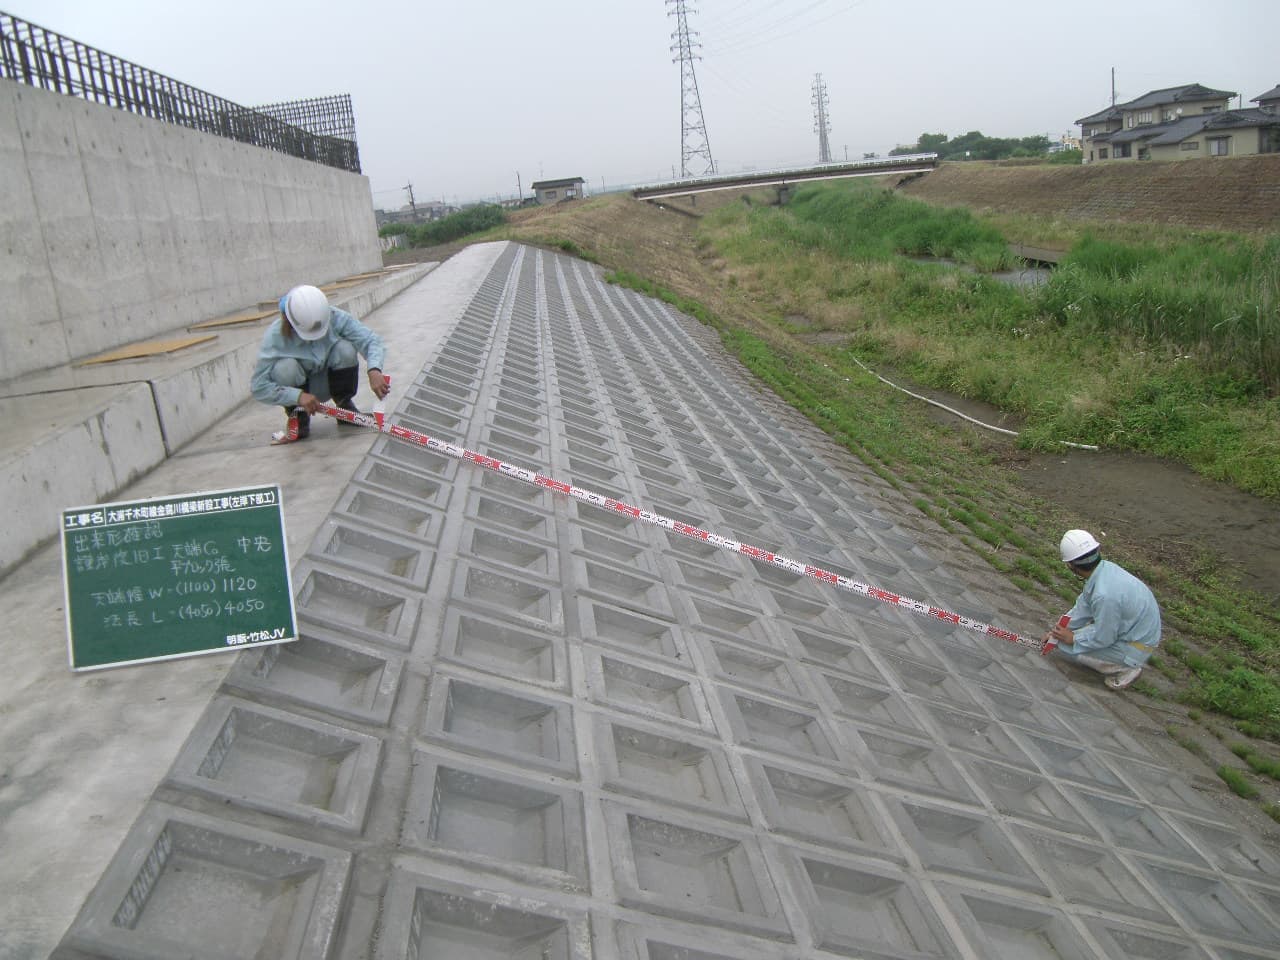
x,y
41,58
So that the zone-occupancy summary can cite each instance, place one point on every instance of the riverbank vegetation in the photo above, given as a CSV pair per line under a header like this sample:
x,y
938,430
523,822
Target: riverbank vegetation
x,y
1168,344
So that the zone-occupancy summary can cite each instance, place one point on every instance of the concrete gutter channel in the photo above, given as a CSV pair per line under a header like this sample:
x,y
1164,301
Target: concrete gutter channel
x,y
516,725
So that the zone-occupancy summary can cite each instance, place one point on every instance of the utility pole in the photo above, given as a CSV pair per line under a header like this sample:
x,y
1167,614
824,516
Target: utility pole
x,y
412,206
821,125
519,187
693,127
1113,86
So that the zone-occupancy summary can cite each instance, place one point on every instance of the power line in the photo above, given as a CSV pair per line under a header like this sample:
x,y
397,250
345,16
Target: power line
x,y
747,43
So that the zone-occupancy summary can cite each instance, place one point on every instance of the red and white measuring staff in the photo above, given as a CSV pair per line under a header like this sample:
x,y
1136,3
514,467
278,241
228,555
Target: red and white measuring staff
x,y
377,422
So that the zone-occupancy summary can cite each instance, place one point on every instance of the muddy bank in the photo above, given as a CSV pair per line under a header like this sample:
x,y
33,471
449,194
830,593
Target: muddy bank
x,y
1164,506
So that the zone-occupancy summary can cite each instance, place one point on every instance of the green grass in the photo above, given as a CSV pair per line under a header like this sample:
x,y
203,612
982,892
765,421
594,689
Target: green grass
x,y
1191,746
1238,783
1256,761
1170,347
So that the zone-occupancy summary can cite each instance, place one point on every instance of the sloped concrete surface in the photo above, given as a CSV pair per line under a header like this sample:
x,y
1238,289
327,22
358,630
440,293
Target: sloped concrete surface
x,y
519,726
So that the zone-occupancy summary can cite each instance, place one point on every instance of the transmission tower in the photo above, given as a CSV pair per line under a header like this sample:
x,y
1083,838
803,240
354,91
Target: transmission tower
x,y
821,124
693,128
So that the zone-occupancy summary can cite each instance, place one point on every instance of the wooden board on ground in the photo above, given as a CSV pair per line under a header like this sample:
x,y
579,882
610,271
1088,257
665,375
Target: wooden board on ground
x,y
233,319
149,349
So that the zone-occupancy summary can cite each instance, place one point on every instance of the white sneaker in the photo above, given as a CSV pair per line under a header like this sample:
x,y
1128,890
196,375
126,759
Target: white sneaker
x,y
1122,679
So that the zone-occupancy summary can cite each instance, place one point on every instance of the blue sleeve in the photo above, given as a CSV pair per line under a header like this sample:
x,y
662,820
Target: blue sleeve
x,y
367,343
1104,629
263,388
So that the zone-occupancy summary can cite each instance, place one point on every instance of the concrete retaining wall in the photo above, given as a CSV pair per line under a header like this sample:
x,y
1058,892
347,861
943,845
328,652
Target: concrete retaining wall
x,y
115,228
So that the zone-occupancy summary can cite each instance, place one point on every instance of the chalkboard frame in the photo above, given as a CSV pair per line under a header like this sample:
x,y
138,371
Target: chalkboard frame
x,y
204,632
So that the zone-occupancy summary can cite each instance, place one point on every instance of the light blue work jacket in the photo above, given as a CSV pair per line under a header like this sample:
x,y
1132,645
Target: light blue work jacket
x,y
1116,617
311,354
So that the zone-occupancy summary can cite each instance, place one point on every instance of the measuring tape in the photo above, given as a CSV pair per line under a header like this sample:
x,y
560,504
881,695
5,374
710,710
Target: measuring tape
x,y
376,420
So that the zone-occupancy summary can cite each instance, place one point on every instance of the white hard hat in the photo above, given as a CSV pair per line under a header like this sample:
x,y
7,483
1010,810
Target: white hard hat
x,y
1077,544
307,310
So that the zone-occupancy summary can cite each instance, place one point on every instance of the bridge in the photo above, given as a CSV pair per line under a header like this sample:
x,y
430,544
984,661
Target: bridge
x,y
787,176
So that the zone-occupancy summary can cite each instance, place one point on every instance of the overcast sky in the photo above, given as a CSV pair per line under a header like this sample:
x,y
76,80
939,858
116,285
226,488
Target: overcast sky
x,y
467,99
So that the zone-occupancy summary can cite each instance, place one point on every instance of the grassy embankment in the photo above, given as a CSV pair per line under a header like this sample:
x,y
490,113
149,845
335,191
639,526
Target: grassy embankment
x,y
1150,339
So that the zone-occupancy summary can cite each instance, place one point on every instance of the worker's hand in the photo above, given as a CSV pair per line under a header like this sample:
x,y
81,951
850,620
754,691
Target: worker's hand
x,y
1063,635
307,402
378,384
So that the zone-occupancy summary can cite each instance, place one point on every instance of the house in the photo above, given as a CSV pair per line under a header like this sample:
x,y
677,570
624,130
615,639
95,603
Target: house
x,y
1179,123
553,191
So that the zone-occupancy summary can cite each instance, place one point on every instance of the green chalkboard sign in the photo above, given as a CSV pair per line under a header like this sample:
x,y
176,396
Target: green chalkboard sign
x,y
175,577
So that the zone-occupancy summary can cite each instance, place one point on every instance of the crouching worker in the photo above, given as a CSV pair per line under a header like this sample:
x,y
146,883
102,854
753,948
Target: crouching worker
x,y
310,355
1114,626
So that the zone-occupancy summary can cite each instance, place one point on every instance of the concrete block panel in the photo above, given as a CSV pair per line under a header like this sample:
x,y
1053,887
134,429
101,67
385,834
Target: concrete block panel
x,y
383,509
523,599
1161,786
867,704
976,668
425,917
1125,940
860,908
582,435
617,551
672,767
324,671
1073,763
619,586
491,720
819,614
969,845
931,682
389,558
504,650
1206,903
1092,875
828,809
778,728
677,867
507,488
913,764
835,653
1135,826
1230,851
411,458
431,420
425,396
179,876
705,554
1028,796
511,554
754,669
365,608
1003,928
520,518
666,940
631,686
738,620
1047,685
975,734
631,632
1103,733
535,431
1018,709
527,829
284,764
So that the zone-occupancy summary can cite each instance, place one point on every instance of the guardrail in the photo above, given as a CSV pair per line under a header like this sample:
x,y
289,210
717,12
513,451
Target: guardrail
x,y
38,57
